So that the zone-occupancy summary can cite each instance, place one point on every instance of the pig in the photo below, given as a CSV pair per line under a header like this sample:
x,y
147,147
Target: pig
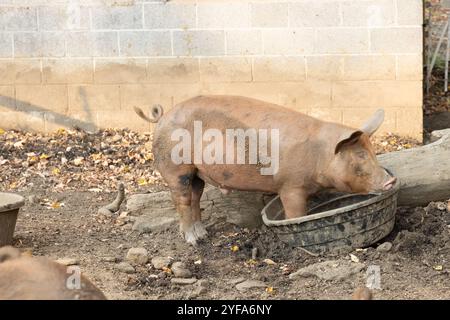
x,y
36,278
312,155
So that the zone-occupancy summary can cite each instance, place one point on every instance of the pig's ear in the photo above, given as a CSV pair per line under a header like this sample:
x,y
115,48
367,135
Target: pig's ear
x,y
347,140
373,123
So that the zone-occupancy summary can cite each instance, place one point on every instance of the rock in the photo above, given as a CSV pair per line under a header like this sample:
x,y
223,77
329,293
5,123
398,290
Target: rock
x,y
204,283
329,270
183,281
254,253
160,262
236,281
239,207
384,247
33,199
109,259
68,261
125,267
250,284
149,200
180,271
137,256
158,220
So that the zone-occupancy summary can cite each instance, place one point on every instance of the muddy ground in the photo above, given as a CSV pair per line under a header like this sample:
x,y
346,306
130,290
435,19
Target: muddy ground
x,y
417,267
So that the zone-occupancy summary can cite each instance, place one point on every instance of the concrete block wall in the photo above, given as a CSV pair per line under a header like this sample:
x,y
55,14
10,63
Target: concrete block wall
x,y
88,62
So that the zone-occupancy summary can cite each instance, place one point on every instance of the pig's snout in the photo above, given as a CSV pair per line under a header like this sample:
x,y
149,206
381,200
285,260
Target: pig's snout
x,y
390,183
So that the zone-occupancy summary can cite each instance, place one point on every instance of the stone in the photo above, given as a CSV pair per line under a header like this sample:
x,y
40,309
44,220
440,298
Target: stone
x,y
180,271
125,267
149,200
137,256
183,281
250,284
160,262
146,224
68,261
331,270
236,281
384,247
109,259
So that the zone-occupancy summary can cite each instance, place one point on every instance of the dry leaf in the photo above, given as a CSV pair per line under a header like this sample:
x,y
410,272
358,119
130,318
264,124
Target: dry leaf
x,y
269,262
354,258
438,268
270,290
235,248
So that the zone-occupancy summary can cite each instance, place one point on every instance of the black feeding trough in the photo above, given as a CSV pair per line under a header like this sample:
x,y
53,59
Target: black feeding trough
x,y
336,221
10,204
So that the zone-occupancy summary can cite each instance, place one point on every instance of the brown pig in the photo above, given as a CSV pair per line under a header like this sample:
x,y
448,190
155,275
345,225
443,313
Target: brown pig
x,y
37,278
306,154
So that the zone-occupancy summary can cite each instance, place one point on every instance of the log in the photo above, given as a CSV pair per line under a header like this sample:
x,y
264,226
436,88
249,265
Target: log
x,y
424,172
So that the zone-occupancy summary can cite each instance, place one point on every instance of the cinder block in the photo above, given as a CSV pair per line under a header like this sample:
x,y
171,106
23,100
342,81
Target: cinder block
x,y
6,45
296,95
410,12
117,17
410,67
279,69
288,41
269,15
92,44
313,13
325,67
356,117
396,40
145,43
326,114
26,121
377,94
342,40
374,13
369,67
21,71
7,101
18,18
182,91
31,44
198,43
143,96
244,42
55,121
225,69
173,70
91,98
223,15
62,17
67,70
169,15
41,98
410,122
121,119
120,70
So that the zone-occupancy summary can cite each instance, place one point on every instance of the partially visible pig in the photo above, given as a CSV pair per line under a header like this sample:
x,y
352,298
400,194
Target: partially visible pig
x,y
313,155
36,278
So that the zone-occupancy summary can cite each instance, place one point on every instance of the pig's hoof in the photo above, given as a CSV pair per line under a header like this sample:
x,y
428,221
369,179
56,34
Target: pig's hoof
x,y
190,236
200,230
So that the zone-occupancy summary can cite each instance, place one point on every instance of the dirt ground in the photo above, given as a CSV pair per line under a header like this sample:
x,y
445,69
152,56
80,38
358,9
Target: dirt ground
x,y
417,267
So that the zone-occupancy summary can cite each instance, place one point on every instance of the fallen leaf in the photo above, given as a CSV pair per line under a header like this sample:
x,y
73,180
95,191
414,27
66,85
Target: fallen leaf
x,y
142,182
2,131
269,262
270,290
438,268
56,171
354,258
198,262
235,248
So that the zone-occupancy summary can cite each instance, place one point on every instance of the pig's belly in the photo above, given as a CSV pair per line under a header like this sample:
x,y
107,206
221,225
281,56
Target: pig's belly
x,y
236,177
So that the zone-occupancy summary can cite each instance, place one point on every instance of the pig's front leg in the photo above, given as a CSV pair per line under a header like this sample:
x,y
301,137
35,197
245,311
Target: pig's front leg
x,y
294,202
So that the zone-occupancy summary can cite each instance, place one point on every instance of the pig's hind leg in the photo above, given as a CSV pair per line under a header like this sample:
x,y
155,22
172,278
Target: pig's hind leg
x,y
197,190
294,202
180,184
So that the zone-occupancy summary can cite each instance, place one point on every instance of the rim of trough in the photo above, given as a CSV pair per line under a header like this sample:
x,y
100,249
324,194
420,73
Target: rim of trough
x,y
10,201
316,216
